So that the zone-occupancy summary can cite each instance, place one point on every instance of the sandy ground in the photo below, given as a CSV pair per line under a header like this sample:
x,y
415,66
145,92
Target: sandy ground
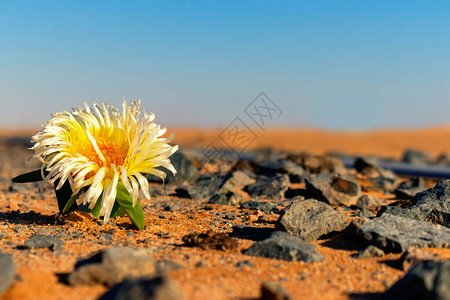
x,y
206,274
386,143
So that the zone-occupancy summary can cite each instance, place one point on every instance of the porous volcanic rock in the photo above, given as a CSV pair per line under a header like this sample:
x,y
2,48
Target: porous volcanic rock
x,y
310,219
111,266
396,234
333,189
159,288
281,245
426,280
269,187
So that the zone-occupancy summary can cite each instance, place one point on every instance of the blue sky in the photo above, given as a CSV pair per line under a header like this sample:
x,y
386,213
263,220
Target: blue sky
x,y
327,64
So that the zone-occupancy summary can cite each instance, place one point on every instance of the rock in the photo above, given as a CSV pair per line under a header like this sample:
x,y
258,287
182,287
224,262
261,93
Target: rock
x,y
427,280
311,219
243,165
236,180
333,189
226,198
286,202
437,198
408,193
412,256
401,212
44,241
364,213
409,188
438,217
416,157
273,291
388,185
206,186
186,170
295,172
369,168
396,234
159,288
210,240
368,201
370,251
317,164
244,263
165,265
443,159
283,246
264,206
268,187
8,271
111,266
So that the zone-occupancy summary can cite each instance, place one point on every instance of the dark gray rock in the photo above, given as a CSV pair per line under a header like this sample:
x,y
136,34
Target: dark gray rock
x,y
401,212
44,241
264,206
438,217
186,170
368,201
388,185
273,291
416,157
111,266
408,193
409,188
244,263
283,246
206,186
269,187
370,251
7,272
437,198
443,159
226,193
236,180
159,288
396,234
310,219
426,280
364,213
333,189
295,172
317,164
370,168
226,198
286,202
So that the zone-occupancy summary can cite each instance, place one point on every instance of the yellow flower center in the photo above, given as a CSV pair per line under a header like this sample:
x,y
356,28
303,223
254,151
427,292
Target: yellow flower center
x,y
112,152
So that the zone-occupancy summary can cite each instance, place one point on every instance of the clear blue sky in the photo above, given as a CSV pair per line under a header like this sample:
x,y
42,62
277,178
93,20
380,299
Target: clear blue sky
x,y
329,64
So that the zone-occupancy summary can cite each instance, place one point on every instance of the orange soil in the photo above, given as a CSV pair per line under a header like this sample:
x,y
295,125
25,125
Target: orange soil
x,y
338,277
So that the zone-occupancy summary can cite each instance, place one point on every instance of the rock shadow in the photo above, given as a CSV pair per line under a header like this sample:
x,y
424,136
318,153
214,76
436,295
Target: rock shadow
x,y
340,243
364,296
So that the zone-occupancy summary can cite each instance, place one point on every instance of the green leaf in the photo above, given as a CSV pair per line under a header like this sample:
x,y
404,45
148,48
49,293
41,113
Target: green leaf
x,y
70,203
63,195
136,214
30,177
95,211
117,211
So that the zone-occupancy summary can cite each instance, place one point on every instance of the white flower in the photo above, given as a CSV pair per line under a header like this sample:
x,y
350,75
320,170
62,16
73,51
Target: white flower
x,y
97,148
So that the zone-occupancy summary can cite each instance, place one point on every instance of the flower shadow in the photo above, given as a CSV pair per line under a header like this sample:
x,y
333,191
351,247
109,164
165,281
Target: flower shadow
x,y
31,217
